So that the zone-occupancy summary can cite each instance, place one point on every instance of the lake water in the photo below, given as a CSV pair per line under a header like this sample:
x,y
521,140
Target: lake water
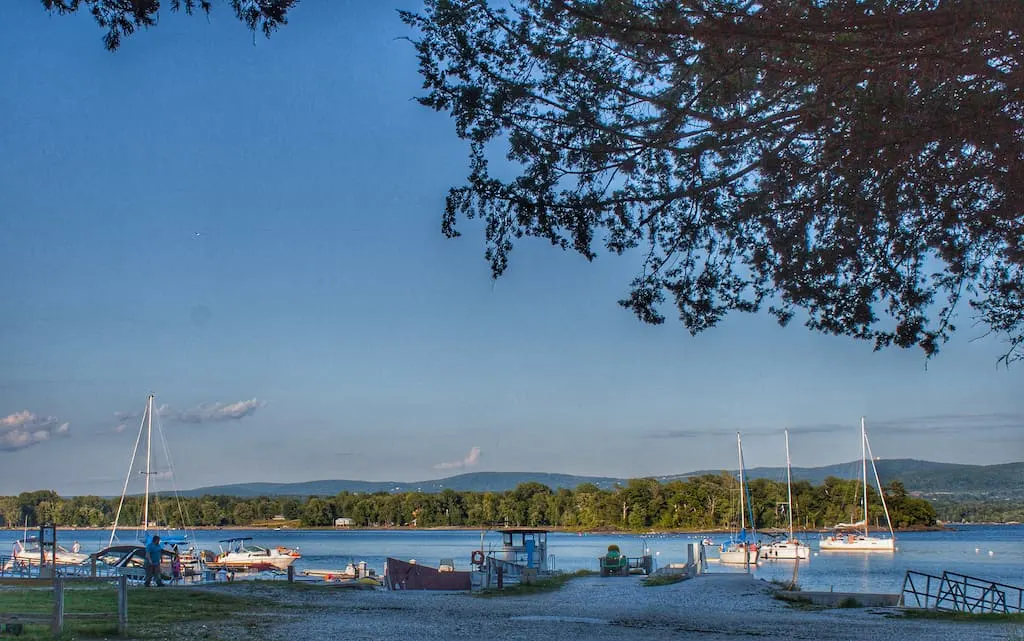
x,y
994,553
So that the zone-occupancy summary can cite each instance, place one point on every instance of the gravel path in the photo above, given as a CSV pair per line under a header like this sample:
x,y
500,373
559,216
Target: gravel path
x,y
592,608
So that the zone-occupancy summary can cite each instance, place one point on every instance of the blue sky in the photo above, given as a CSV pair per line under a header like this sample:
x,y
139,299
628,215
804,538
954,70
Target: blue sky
x,y
252,232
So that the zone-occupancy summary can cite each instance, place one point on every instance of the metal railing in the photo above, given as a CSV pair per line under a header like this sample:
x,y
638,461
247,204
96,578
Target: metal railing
x,y
13,568
955,592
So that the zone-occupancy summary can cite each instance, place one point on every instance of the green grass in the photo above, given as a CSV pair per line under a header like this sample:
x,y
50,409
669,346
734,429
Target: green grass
x,y
800,599
993,617
787,586
151,611
849,602
547,584
655,580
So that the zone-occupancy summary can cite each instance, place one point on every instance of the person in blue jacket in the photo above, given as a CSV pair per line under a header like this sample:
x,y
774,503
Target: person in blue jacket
x,y
153,552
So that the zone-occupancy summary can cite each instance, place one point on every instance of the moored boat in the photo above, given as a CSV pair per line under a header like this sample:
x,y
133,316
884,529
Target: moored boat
x,y
26,552
848,536
238,554
739,550
409,575
177,543
129,559
790,548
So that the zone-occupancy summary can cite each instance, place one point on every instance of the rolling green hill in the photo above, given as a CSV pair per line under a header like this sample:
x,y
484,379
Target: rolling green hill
x,y
1005,481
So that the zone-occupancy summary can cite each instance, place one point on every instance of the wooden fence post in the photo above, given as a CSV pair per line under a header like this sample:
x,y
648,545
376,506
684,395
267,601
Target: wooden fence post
x,y
291,574
122,604
57,625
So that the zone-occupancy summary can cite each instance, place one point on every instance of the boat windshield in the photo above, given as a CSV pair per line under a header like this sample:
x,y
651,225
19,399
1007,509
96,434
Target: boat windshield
x,y
133,557
30,545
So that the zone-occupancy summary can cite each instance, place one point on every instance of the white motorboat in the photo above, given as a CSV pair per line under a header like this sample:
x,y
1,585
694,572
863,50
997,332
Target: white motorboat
x,y
26,552
238,554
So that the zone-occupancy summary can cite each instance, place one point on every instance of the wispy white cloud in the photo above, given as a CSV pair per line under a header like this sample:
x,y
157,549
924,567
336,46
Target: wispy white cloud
x,y
202,413
470,460
677,434
212,412
950,423
25,429
931,424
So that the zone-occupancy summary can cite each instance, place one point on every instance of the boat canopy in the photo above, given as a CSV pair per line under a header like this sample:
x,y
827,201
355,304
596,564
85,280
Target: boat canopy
x,y
174,540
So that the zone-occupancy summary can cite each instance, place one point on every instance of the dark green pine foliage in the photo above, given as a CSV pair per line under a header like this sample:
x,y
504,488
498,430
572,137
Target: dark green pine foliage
x,y
857,164
121,18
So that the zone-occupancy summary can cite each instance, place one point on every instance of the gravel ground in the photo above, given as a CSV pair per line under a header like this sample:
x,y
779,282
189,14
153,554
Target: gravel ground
x,y
590,608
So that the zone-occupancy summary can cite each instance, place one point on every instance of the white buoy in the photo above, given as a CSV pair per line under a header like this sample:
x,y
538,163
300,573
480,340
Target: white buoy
x,y
977,550
990,552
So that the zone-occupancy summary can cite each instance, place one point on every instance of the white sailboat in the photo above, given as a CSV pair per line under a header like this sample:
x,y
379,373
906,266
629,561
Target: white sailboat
x,y
791,547
739,550
176,543
847,536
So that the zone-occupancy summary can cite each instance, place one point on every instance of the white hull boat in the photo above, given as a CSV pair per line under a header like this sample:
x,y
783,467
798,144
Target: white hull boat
x,y
790,548
734,554
25,553
739,550
237,555
857,542
176,543
844,538
786,550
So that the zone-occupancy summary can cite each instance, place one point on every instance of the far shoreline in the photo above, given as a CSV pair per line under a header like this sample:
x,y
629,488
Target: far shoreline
x,y
940,527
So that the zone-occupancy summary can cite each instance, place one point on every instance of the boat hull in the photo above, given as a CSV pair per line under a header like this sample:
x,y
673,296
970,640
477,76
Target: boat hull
x,y
739,556
784,550
403,575
70,558
253,563
857,543
30,558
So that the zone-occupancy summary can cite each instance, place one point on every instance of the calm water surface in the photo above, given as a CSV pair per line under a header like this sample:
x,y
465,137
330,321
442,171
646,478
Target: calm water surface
x,y
965,549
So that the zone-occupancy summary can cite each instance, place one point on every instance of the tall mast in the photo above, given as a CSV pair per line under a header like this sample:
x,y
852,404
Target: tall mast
x,y
789,488
864,464
743,514
128,476
149,446
881,492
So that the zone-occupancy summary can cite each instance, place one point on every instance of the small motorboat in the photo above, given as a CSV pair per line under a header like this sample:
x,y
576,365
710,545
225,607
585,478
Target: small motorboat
x,y
26,553
238,554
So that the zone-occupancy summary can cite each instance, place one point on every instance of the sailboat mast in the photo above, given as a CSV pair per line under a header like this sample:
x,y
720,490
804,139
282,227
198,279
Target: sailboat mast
x,y
743,513
789,488
149,446
864,464
881,492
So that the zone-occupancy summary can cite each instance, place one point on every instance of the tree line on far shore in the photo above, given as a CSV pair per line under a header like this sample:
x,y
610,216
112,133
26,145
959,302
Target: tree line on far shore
x,y
699,503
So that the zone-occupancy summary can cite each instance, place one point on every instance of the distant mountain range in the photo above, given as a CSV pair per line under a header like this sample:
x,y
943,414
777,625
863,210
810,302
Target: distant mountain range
x,y
928,478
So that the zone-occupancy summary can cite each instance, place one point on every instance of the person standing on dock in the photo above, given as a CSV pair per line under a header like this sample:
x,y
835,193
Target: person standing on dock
x,y
153,553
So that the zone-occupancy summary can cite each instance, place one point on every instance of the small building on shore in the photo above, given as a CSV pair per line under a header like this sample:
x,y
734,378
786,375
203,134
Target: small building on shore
x,y
344,521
